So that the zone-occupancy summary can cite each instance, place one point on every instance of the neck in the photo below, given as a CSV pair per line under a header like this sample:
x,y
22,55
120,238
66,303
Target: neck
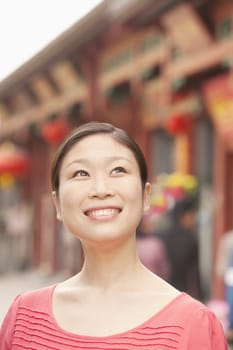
x,y
111,268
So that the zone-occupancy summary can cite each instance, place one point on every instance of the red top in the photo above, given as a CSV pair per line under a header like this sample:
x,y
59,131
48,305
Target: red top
x,y
184,324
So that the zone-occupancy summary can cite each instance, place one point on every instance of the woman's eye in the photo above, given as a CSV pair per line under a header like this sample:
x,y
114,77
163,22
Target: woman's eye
x,y
118,170
80,173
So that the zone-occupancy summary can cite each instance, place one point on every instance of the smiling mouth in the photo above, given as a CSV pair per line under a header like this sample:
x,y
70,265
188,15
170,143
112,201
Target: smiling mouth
x,y
102,213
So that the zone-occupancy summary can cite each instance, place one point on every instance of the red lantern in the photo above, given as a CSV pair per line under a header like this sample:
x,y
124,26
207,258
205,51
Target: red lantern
x,y
13,161
178,124
55,131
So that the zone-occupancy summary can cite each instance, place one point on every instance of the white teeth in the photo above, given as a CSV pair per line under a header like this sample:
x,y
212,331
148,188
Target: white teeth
x,y
103,212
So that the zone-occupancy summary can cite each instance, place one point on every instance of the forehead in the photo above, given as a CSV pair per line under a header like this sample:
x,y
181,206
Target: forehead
x,y
99,144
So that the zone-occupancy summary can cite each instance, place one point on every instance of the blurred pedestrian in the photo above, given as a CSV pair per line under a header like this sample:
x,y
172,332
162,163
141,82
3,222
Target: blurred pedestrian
x,y
100,190
181,240
18,226
151,248
224,269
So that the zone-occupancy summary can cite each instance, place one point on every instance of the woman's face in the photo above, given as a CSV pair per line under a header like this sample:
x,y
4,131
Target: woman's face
x,y
100,195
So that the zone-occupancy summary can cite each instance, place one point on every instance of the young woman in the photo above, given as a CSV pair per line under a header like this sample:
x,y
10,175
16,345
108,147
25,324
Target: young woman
x,y
100,190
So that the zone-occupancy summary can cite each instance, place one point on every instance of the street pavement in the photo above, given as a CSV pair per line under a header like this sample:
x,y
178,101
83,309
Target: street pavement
x,y
17,282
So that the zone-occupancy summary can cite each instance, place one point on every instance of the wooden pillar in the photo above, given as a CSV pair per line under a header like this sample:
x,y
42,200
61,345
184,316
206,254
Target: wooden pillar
x,y
90,66
220,189
44,228
141,135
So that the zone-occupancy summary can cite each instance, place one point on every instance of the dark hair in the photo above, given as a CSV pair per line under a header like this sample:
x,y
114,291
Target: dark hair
x,y
94,128
189,204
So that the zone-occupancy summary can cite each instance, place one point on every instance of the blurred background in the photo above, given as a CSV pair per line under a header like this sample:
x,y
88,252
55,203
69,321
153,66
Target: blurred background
x,y
160,69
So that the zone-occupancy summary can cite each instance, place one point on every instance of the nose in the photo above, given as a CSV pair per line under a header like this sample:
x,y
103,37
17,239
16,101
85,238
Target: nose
x,y
101,188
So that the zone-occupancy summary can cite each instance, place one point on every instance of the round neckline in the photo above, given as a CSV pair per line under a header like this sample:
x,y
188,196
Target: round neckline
x,y
115,335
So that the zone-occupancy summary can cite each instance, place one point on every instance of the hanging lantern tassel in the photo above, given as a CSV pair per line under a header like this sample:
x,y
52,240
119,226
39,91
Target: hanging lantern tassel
x,y
55,131
6,181
178,124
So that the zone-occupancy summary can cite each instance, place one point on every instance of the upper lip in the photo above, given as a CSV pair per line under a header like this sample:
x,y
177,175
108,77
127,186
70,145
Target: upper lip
x,y
102,208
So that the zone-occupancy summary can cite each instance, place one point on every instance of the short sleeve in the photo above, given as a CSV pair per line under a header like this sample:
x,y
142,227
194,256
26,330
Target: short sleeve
x,y
204,332
7,327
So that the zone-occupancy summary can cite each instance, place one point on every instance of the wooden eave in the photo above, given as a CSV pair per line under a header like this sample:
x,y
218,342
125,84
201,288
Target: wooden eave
x,y
81,34
38,114
195,63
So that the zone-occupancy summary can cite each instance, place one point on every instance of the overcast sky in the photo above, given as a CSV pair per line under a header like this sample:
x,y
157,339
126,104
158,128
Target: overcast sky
x,y
27,26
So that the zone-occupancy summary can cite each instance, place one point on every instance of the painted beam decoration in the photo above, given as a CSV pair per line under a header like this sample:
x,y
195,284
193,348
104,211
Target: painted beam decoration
x,y
67,78
42,88
117,63
188,31
131,57
151,50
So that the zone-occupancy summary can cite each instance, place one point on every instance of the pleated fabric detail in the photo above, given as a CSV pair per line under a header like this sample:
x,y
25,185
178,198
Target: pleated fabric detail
x,y
36,330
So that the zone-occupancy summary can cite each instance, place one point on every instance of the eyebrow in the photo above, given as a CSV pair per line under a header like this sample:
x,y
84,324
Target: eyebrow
x,y
111,159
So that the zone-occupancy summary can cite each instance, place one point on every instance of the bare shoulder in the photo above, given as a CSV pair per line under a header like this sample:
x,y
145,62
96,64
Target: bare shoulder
x,y
66,289
156,283
159,290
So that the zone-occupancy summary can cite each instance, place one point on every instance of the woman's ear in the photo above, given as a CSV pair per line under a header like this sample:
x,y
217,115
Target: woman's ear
x,y
57,205
147,194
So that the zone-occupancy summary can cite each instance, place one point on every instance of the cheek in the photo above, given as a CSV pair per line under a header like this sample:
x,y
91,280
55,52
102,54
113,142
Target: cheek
x,y
135,195
69,197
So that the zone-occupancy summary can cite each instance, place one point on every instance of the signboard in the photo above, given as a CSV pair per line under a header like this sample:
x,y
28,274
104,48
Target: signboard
x,y
218,96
